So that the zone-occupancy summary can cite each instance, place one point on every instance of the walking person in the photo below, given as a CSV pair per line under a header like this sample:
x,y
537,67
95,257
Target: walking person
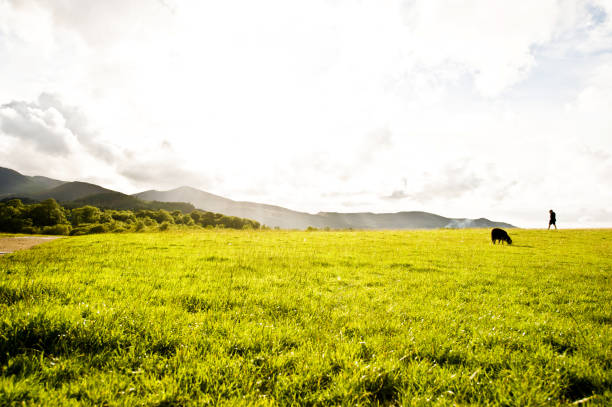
x,y
553,220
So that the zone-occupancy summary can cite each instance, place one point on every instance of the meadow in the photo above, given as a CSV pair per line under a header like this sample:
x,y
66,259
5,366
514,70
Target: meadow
x,y
309,318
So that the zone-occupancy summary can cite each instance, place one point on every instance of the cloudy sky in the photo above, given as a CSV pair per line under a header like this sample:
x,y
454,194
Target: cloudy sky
x,y
497,109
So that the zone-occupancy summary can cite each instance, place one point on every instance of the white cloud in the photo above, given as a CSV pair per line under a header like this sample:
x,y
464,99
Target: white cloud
x,y
43,128
454,182
493,44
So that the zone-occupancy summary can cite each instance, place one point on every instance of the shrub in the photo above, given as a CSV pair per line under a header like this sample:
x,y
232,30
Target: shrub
x,y
164,226
123,216
30,229
89,229
60,229
140,226
97,229
105,218
86,214
162,216
78,231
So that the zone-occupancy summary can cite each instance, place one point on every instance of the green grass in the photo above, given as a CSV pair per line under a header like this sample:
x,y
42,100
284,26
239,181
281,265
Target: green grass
x,y
309,318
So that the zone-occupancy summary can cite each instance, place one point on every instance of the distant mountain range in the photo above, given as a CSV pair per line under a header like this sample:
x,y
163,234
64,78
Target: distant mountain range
x,y
75,194
14,184
287,219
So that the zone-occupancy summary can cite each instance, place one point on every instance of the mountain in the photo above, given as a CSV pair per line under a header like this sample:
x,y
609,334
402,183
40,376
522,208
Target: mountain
x,y
266,214
14,183
406,220
119,201
71,191
75,194
287,219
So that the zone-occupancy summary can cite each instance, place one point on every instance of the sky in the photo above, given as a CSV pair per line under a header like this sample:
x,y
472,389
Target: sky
x,y
496,109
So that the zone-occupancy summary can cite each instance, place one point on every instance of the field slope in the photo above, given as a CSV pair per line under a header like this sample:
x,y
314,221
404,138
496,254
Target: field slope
x,y
309,318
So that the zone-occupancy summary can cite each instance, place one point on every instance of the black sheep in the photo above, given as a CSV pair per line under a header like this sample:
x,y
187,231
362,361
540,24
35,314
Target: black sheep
x,y
501,235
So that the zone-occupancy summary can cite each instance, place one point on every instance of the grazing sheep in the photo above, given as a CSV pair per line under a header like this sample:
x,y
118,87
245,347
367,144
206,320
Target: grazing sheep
x,y
501,235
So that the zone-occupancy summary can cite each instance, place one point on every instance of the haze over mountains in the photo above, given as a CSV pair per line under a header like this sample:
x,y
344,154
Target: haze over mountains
x,y
285,218
77,193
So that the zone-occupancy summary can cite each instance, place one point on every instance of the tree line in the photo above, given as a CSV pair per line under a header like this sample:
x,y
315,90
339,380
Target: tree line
x,y
49,217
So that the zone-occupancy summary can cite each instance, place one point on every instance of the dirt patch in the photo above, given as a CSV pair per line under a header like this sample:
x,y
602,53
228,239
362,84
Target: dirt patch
x,y
11,244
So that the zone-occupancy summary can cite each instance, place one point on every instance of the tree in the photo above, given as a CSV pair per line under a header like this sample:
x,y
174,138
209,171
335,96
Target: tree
x,y
85,214
13,216
123,216
47,213
162,216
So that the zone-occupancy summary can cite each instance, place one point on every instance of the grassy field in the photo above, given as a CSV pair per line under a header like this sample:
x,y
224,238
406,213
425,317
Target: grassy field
x,y
309,318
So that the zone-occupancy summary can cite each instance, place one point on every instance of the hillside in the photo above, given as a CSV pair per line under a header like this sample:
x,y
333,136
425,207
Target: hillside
x,y
406,220
71,191
270,215
14,183
76,194
119,201
276,216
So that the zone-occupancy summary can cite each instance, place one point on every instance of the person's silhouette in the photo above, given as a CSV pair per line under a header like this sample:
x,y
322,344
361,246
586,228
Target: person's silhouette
x,y
553,219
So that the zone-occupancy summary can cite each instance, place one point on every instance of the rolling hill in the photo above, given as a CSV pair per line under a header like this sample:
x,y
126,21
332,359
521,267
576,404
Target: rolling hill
x,y
119,201
14,183
71,191
276,216
75,194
